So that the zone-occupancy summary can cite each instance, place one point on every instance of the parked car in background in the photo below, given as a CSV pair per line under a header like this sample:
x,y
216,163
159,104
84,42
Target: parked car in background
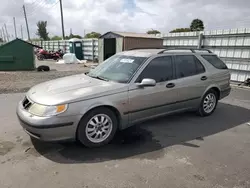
x,y
128,88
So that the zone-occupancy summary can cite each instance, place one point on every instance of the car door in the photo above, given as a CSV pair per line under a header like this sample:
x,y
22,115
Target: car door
x,y
147,102
191,80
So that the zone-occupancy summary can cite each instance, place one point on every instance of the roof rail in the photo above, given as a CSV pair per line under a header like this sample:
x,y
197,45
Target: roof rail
x,y
193,50
144,48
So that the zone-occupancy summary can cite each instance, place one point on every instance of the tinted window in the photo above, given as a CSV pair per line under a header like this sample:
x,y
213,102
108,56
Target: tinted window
x,y
160,69
188,65
199,67
215,61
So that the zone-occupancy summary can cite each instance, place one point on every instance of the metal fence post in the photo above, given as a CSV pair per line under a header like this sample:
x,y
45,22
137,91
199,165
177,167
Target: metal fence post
x,y
200,41
93,49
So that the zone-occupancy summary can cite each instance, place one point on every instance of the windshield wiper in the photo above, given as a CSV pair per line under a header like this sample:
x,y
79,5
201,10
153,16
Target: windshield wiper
x,y
99,77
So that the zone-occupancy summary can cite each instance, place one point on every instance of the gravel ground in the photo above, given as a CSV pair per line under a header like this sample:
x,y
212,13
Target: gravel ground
x,y
21,81
15,82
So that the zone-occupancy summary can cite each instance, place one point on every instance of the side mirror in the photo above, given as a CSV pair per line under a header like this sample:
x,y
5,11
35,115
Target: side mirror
x,y
147,82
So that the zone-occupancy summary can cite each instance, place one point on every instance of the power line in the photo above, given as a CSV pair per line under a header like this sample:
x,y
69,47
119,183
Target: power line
x,y
41,4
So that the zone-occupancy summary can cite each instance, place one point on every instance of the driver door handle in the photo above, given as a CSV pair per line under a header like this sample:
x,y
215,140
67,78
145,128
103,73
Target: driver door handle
x,y
170,85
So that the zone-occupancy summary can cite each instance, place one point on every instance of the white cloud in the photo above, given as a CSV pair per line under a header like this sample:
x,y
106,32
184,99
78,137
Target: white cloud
x,y
107,15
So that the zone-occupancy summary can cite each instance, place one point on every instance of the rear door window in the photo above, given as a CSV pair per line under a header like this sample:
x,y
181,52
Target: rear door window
x,y
188,65
215,61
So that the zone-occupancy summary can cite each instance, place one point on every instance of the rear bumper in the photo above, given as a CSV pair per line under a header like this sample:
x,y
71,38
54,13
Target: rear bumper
x,y
56,128
225,93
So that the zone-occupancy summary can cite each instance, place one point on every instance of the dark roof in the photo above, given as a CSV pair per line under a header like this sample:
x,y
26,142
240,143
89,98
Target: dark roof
x,y
17,39
129,34
36,46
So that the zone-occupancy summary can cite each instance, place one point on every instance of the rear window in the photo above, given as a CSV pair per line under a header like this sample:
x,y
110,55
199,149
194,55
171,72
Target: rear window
x,y
215,61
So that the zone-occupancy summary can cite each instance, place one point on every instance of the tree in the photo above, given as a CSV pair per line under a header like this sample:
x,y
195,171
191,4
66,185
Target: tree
x,y
73,36
56,38
178,30
35,39
197,25
153,32
92,35
42,30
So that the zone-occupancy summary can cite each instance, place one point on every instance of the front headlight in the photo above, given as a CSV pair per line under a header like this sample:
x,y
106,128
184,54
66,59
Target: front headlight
x,y
42,110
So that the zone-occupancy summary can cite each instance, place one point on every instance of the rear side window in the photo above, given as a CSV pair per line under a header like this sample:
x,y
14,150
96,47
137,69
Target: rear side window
x,y
188,65
215,61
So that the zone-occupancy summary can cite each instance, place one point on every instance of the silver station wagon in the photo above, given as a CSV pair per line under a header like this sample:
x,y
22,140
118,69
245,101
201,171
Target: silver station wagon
x,y
127,88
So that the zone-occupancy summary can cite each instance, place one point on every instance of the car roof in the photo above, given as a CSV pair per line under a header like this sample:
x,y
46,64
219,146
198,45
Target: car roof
x,y
147,52
141,52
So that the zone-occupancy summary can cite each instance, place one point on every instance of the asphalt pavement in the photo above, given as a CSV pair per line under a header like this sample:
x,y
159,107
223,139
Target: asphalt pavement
x,y
182,150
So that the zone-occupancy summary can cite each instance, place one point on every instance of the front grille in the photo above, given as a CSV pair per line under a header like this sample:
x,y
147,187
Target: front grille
x,y
26,103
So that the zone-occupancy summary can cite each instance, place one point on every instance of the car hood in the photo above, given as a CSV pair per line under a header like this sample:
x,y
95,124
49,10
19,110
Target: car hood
x,y
73,88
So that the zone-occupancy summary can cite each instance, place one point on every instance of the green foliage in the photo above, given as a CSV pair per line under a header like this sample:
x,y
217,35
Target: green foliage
x,y
153,31
179,30
42,30
92,35
35,39
197,25
73,36
56,38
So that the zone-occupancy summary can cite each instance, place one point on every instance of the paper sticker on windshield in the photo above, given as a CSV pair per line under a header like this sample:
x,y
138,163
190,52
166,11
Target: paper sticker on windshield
x,y
127,60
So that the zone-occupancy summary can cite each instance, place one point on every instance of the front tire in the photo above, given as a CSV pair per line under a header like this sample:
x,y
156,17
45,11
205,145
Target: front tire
x,y
97,128
208,103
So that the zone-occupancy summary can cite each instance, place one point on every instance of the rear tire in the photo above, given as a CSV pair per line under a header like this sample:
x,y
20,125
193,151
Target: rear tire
x,y
208,103
97,128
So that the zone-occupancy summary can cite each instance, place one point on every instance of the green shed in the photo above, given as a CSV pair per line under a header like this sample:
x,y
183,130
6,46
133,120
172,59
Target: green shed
x,y
17,55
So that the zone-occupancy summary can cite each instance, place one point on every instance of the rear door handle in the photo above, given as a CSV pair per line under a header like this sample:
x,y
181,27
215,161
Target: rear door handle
x,y
170,85
203,78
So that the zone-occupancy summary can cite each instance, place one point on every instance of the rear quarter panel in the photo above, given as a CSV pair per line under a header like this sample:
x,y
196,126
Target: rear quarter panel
x,y
219,78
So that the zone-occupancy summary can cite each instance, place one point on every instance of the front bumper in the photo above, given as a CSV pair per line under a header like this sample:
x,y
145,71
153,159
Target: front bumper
x,y
55,128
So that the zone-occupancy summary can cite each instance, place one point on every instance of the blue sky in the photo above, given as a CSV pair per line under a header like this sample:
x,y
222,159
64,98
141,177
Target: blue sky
x,y
130,6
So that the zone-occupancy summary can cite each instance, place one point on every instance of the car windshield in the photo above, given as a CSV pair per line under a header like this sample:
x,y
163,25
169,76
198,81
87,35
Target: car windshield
x,y
118,68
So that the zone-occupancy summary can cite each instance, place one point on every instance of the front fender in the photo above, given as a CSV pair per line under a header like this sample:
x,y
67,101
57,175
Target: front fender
x,y
117,101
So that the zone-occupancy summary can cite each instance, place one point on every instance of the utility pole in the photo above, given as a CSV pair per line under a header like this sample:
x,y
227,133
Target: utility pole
x,y
4,38
14,20
62,19
22,31
7,35
25,16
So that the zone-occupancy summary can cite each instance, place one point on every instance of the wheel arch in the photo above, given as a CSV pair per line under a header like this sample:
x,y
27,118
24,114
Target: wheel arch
x,y
215,88
110,107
